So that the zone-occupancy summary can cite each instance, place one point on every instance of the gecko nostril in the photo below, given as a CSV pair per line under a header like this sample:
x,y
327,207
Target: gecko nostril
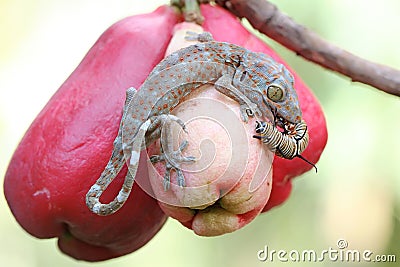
x,y
244,74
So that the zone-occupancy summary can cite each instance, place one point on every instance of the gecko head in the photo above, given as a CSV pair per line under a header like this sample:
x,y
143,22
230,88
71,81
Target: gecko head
x,y
279,94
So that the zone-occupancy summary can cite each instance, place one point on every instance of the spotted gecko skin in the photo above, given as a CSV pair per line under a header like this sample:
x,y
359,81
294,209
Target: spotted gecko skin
x,y
242,75
261,69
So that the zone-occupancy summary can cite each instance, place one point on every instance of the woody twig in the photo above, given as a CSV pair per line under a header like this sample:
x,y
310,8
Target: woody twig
x,y
267,18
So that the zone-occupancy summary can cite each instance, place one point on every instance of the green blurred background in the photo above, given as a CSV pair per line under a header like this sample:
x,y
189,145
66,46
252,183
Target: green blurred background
x,y
354,196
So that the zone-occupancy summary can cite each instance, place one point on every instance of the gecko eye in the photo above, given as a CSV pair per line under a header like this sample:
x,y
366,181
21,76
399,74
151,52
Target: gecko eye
x,y
275,93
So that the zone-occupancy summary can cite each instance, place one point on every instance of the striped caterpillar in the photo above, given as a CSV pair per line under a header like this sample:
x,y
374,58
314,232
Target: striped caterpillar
x,y
287,144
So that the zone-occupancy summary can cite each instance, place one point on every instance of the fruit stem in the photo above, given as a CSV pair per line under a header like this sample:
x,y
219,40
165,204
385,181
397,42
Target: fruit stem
x,y
190,9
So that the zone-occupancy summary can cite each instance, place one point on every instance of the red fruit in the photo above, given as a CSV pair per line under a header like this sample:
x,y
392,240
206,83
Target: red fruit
x,y
69,143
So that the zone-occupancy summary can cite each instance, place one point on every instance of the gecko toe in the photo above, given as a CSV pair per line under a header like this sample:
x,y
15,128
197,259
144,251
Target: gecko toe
x,y
167,180
244,116
180,178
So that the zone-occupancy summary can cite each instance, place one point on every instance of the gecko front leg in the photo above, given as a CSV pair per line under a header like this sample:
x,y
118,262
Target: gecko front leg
x,y
247,108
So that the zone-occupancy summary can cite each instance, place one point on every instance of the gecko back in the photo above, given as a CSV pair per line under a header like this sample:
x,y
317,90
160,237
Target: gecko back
x,y
218,52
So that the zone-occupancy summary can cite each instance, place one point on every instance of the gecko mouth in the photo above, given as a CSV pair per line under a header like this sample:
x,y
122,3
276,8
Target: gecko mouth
x,y
281,123
284,125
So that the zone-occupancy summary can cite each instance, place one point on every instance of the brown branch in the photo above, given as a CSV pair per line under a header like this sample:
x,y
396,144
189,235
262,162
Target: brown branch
x,y
266,18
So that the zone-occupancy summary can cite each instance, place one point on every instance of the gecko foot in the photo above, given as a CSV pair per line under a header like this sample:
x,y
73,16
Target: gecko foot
x,y
173,161
249,110
199,37
167,177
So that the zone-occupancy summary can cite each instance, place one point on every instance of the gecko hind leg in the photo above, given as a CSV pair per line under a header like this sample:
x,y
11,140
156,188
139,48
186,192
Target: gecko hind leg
x,y
172,158
154,131
159,120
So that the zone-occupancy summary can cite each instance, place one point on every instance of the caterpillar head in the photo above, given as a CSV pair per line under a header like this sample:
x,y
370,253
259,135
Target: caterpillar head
x,y
260,126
